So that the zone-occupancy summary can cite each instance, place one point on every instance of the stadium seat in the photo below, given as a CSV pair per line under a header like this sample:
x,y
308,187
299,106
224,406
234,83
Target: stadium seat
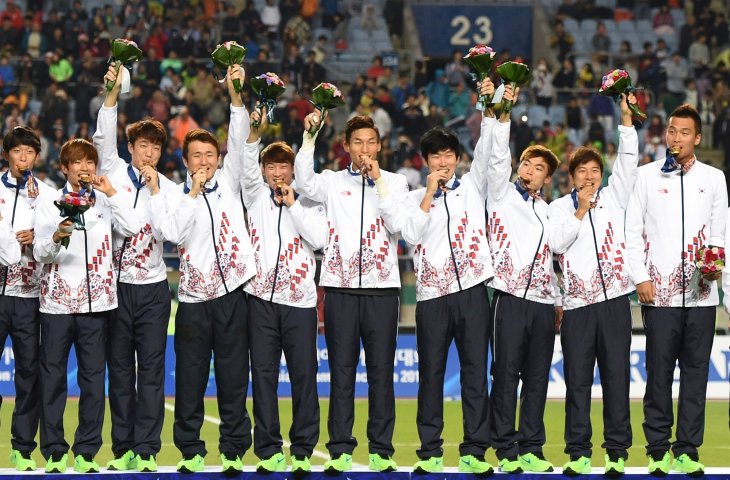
x,y
679,16
571,25
588,26
518,110
626,26
611,27
536,115
556,114
644,26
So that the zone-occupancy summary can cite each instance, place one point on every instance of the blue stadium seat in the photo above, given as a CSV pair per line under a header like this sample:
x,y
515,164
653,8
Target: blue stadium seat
x,y
644,26
536,114
611,27
571,25
556,114
626,26
679,16
518,110
588,26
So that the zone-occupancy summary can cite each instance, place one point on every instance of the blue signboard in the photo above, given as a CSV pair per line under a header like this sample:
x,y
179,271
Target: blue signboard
x,y
443,28
405,376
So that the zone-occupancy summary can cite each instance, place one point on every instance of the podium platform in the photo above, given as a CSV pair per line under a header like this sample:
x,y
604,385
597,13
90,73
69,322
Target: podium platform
x,y
213,473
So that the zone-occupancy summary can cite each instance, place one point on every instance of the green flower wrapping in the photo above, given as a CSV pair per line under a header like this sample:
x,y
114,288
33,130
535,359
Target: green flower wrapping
x,y
267,87
325,96
516,74
124,52
227,54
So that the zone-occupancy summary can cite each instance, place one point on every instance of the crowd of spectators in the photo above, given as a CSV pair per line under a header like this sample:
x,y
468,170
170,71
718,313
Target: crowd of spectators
x,y
52,61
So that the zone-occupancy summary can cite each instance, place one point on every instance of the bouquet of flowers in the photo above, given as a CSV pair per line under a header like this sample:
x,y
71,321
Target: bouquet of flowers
x,y
516,74
227,54
325,96
71,206
615,83
267,87
710,259
124,52
480,58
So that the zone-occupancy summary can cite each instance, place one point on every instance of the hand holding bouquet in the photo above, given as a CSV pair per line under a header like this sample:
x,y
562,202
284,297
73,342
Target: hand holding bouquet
x,y
124,52
710,261
516,74
267,87
71,206
480,58
615,83
226,55
325,96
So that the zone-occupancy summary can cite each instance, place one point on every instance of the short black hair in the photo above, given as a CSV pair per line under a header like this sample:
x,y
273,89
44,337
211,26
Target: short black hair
x,y
688,111
21,136
437,140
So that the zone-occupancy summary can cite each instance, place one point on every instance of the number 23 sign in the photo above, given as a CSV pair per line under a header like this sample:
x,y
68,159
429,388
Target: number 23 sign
x,y
445,28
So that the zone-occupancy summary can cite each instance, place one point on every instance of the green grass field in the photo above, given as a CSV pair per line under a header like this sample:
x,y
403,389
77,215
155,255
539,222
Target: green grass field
x,y
714,453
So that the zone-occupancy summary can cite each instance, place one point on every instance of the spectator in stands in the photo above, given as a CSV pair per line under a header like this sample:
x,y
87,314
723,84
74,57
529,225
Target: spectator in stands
x,y
720,32
181,124
456,70
202,87
562,40
564,81
376,69
542,84
292,64
663,22
381,119
601,41
59,69
368,19
271,18
402,91
7,76
459,102
312,73
699,55
322,49
676,71
586,77
34,42
687,35
413,176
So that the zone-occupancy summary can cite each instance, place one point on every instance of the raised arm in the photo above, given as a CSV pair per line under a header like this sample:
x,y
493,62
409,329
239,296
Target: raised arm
x,y
252,181
622,179
483,149
105,136
310,184
238,130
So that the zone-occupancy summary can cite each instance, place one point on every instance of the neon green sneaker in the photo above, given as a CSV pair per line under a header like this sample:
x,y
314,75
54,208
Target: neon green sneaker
x,y
659,464
382,463
429,465
84,463
57,463
191,464
689,464
22,461
614,466
275,463
342,463
510,465
231,464
477,465
577,466
535,462
146,463
300,466
123,463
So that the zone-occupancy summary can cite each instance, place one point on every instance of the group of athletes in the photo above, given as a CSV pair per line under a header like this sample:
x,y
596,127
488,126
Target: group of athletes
x,y
246,234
